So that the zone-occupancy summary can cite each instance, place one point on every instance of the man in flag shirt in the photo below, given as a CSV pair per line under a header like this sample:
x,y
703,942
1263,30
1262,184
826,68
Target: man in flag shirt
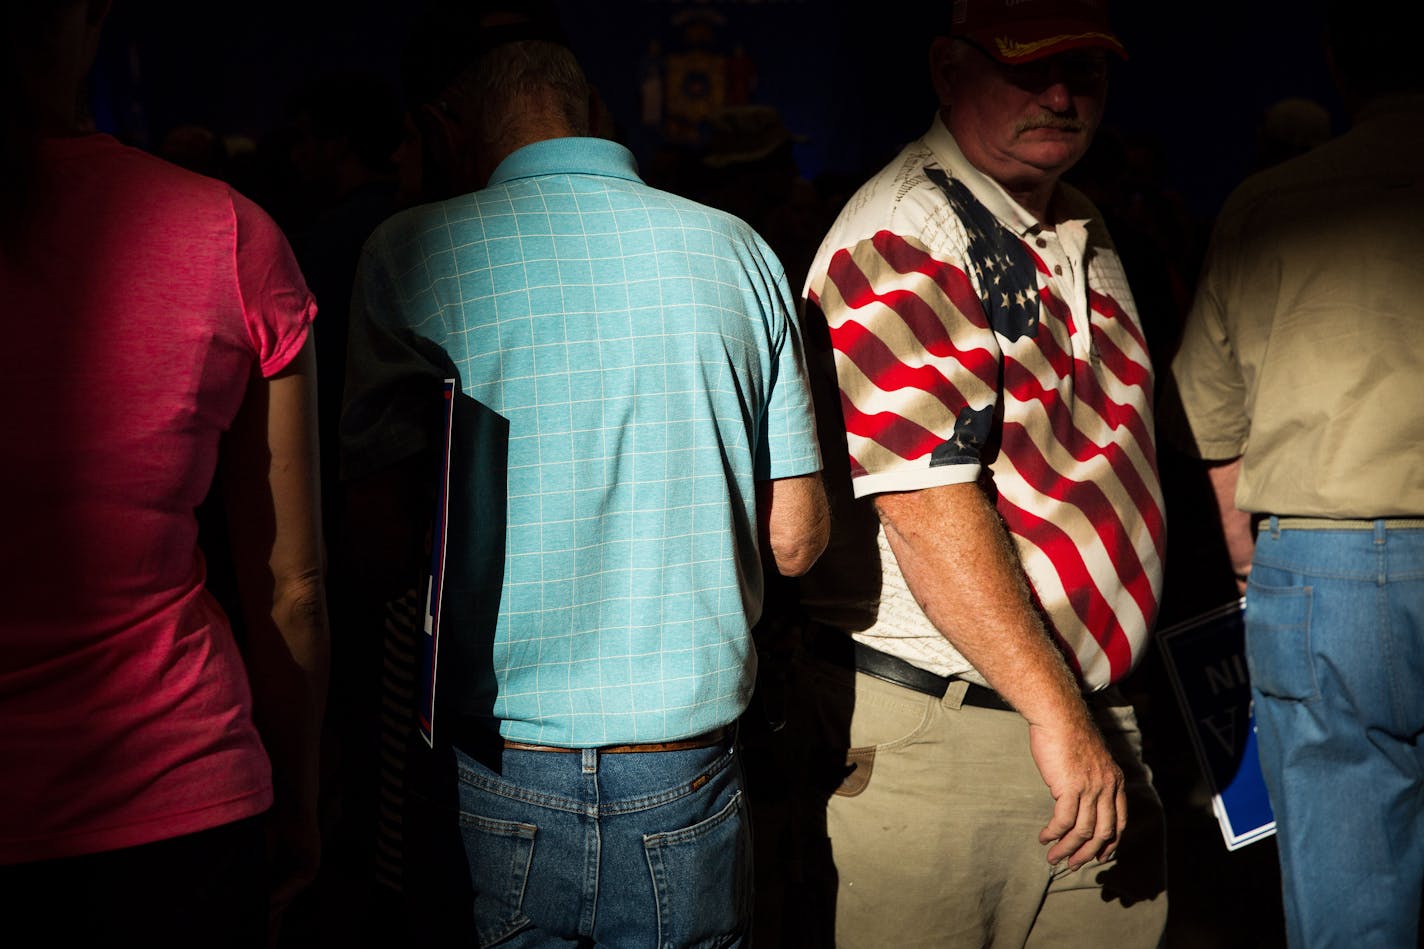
x,y
995,390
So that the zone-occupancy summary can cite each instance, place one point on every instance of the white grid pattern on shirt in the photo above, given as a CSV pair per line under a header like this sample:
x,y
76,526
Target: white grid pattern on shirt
x,y
686,638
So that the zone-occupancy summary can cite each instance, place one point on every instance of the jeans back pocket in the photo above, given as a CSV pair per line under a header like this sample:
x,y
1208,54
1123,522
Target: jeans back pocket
x,y
702,879
499,853
1278,651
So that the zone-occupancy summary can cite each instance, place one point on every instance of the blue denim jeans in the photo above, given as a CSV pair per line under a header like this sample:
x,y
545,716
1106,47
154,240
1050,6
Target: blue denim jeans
x,y
1335,646
590,849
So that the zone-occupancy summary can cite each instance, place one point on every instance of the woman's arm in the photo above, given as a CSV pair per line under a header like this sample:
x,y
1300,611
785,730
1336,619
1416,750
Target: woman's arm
x,y
272,493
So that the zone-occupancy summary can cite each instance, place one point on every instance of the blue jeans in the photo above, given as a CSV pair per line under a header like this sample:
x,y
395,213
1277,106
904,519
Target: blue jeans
x,y
628,850
1335,646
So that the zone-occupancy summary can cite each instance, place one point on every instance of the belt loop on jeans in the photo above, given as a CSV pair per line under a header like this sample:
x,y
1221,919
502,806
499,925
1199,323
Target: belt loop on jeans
x,y
1275,523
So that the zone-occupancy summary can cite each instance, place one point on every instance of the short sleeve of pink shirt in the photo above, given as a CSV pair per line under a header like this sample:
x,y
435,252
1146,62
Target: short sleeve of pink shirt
x,y
276,304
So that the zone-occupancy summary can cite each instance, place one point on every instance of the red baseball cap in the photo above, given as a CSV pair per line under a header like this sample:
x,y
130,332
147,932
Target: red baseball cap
x,y
1016,31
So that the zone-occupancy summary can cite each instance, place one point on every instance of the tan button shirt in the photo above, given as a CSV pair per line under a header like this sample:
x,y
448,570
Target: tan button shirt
x,y
1304,349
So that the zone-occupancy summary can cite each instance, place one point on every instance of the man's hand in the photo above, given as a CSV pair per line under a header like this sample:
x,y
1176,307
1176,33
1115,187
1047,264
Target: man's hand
x,y
1090,803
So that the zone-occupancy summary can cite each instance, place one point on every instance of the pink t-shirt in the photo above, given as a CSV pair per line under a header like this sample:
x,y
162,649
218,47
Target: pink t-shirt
x,y
130,334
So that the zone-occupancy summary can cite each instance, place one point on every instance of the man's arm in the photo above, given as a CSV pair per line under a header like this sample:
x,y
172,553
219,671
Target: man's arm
x,y
1235,524
960,563
795,521
274,513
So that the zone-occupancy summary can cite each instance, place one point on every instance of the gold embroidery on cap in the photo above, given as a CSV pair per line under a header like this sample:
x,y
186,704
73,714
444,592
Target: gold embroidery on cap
x,y
1011,49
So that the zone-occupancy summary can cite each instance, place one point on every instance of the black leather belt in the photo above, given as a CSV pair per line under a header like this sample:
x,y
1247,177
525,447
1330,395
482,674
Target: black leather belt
x,y
836,646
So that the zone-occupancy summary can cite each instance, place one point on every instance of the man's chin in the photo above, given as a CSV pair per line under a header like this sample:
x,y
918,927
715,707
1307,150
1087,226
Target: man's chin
x,y
1051,155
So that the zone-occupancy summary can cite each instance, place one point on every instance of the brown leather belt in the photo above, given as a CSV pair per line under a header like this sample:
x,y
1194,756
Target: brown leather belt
x,y
705,740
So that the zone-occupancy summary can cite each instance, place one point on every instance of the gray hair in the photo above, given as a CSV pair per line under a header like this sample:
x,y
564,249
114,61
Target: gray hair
x,y
512,72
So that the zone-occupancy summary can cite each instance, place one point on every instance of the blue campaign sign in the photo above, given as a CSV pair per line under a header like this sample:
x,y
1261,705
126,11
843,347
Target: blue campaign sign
x,y
1206,661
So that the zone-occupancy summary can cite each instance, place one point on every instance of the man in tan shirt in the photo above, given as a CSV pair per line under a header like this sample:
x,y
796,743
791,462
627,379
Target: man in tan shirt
x,y
1301,373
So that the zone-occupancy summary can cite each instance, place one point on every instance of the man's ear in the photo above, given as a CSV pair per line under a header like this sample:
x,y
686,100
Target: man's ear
x,y
942,67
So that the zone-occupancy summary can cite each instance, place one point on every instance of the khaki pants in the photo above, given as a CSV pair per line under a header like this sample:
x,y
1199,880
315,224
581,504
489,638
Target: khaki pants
x,y
934,835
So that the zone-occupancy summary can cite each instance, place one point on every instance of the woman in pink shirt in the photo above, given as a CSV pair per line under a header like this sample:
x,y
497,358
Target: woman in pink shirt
x,y
156,328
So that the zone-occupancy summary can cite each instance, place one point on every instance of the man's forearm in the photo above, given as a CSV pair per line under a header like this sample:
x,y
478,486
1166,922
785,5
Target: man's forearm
x,y
1235,523
960,564
794,521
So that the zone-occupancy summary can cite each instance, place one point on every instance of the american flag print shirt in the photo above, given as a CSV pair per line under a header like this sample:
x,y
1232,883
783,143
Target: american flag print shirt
x,y
972,344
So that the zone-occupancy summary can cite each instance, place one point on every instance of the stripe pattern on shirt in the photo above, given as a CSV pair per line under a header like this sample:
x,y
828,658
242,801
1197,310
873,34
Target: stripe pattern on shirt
x,y
933,346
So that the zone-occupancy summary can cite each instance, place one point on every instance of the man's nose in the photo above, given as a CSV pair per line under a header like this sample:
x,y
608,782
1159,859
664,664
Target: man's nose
x,y
1056,97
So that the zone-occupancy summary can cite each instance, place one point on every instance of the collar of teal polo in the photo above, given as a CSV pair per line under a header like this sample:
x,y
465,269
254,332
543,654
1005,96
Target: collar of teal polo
x,y
567,156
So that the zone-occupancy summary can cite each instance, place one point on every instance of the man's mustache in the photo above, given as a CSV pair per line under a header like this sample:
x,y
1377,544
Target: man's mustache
x,y
1050,122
